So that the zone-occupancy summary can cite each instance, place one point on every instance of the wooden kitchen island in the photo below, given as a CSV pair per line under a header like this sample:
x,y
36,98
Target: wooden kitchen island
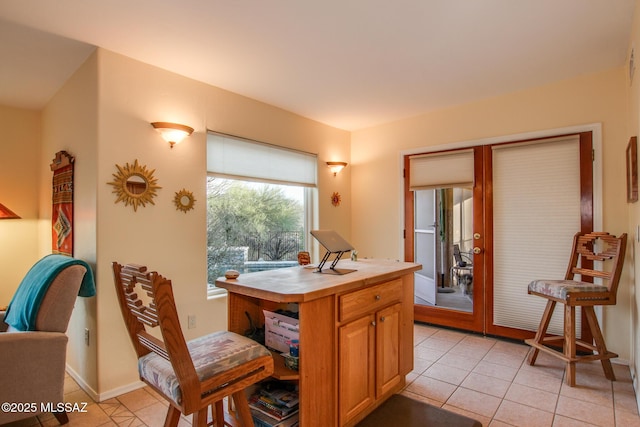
x,y
356,332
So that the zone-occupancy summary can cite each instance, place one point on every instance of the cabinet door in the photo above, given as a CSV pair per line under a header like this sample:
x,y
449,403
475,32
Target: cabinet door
x,y
357,369
388,348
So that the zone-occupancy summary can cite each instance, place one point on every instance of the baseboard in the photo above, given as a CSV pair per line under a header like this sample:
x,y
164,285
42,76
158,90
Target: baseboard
x,y
634,381
101,397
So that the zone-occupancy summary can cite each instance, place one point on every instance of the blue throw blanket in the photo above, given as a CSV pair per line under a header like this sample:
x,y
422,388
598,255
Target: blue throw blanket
x,y
25,304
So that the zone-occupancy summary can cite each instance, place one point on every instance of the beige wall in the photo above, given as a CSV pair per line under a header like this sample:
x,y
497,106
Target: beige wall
x,y
69,123
131,95
19,173
376,153
633,92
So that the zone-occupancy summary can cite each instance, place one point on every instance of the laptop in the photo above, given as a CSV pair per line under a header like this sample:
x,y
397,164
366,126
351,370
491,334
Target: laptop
x,y
332,241
334,244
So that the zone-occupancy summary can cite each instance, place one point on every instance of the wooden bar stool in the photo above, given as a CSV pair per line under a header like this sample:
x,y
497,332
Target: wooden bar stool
x,y
194,375
578,290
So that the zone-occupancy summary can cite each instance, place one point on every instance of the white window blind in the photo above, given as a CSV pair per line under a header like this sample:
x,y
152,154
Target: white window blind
x,y
237,158
441,170
536,209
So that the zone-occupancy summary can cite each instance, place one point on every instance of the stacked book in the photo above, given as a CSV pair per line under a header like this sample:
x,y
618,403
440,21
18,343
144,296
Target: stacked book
x,y
275,406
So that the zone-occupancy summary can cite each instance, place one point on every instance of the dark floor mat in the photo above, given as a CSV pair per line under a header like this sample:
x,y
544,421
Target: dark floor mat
x,y
403,411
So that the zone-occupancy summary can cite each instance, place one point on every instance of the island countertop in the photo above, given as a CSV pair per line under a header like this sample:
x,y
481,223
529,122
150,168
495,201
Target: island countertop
x,y
299,284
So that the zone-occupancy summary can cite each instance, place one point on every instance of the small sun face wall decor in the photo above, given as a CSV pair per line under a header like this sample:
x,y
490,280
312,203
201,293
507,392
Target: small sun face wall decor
x,y
336,199
184,200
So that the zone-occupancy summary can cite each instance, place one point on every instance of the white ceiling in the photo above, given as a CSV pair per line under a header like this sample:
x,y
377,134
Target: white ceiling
x,y
346,63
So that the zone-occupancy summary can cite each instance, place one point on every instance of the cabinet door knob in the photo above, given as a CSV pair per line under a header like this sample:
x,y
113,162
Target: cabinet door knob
x,y
378,297
382,318
373,323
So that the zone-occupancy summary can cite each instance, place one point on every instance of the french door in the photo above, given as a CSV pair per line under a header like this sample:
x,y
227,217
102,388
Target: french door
x,y
510,219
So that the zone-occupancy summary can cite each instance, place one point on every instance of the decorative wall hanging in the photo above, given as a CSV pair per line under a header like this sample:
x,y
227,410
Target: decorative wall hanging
x,y
135,185
336,199
632,170
184,200
62,204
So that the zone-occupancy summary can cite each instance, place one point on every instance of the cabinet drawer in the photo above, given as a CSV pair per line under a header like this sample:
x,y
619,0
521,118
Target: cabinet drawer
x,y
368,300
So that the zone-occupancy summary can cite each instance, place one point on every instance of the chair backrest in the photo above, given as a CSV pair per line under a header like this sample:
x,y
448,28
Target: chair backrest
x,y
146,300
57,304
589,248
54,311
457,256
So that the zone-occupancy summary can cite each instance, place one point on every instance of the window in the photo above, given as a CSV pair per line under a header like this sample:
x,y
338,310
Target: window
x,y
260,205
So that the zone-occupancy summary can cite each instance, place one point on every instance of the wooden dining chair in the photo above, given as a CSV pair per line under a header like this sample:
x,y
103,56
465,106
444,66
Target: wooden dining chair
x,y
192,375
579,290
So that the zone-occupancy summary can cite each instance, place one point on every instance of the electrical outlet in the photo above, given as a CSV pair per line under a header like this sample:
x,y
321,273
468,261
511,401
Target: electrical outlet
x,y
86,336
191,321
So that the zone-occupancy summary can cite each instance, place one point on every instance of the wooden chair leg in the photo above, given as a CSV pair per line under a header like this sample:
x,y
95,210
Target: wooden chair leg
x,y
200,417
173,417
570,344
542,331
219,413
242,408
600,344
62,417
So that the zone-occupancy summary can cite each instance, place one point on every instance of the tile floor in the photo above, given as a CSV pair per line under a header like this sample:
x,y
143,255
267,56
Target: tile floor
x,y
484,378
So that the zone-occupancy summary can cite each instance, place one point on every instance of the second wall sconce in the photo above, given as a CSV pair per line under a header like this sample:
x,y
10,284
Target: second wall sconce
x,y
336,167
173,133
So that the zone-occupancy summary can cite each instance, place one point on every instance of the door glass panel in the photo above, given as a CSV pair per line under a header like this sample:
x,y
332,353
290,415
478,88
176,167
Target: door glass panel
x,y
443,245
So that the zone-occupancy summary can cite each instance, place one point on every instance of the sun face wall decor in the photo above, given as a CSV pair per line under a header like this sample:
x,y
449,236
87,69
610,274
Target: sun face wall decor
x,y
184,200
336,199
135,185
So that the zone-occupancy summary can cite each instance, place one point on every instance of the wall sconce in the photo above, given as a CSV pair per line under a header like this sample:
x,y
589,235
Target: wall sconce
x,y
6,213
173,133
336,167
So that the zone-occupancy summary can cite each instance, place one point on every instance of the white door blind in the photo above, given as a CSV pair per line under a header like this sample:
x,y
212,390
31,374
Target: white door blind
x,y
441,170
237,158
536,212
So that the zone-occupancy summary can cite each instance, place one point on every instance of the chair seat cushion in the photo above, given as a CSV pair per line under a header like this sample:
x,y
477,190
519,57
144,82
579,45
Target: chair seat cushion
x,y
561,288
211,355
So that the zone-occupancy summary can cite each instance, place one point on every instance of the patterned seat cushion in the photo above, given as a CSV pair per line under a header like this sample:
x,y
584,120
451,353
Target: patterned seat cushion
x,y
561,288
211,355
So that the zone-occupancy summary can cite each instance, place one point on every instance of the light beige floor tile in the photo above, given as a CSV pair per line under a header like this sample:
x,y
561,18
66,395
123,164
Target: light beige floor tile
x,y
473,401
538,380
420,365
446,373
449,335
585,411
533,397
431,388
509,347
625,401
489,369
511,359
496,423
472,349
626,419
484,384
484,420
428,353
560,421
424,399
94,416
152,415
458,360
522,415
600,394
137,399
438,344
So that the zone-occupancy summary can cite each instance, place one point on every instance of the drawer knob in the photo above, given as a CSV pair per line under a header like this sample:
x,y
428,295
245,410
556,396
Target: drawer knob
x,y
378,297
